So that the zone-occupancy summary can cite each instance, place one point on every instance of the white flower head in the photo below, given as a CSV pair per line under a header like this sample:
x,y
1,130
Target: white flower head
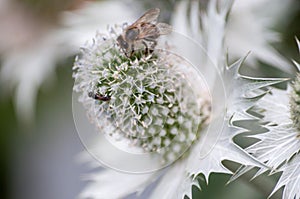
x,y
131,99
143,104
143,98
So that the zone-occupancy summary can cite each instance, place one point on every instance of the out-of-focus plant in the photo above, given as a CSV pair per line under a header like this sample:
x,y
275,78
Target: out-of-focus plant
x,y
36,35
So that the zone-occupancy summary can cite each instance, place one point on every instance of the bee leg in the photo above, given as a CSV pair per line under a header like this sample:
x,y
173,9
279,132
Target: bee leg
x,y
146,48
131,50
153,46
154,43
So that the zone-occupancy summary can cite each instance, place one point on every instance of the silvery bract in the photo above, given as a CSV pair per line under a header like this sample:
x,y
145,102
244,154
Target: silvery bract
x,y
278,148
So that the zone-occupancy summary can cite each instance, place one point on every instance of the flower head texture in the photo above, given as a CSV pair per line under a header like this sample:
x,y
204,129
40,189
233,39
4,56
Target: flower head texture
x,y
295,102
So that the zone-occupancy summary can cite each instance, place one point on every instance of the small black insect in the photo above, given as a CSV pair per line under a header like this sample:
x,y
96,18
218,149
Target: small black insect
x,y
98,96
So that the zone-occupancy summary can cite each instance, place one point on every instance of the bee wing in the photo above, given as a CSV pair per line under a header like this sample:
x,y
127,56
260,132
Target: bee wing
x,y
149,17
164,28
149,31
152,31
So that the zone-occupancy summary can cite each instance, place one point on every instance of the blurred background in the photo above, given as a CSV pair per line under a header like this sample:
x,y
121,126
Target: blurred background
x,y
39,39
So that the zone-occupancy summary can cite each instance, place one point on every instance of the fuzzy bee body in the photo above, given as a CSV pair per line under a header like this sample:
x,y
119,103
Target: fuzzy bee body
x,y
143,31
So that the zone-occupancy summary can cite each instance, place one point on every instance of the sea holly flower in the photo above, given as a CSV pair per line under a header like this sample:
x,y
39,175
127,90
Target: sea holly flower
x,y
278,148
149,102
151,105
102,69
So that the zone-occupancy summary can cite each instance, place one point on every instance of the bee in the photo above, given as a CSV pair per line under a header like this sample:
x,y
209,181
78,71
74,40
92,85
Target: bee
x,y
143,31
98,96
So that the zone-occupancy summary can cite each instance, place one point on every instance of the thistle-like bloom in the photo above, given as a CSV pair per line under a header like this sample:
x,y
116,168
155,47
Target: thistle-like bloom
x,y
150,101
133,92
279,147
